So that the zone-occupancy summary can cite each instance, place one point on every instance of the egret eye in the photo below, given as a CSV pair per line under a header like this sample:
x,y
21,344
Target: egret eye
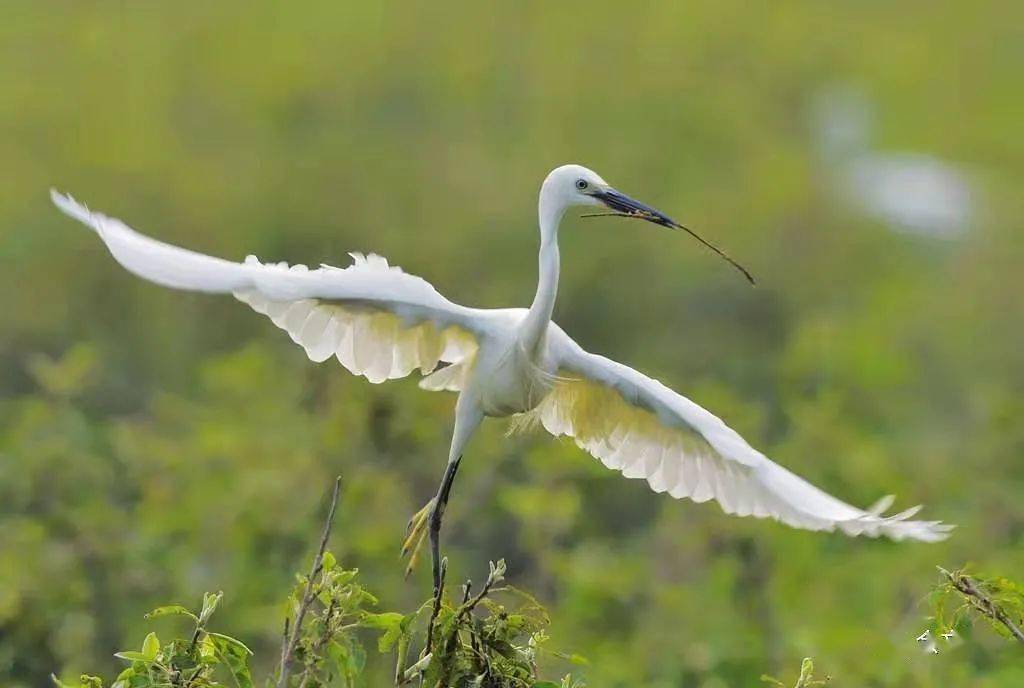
x,y
581,184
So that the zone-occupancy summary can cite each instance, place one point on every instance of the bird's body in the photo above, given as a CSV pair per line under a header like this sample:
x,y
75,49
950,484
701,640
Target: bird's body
x,y
505,378
383,323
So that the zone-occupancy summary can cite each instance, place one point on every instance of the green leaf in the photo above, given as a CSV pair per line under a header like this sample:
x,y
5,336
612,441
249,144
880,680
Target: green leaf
x,y
207,649
577,659
338,654
171,610
328,562
545,684
392,623
349,657
210,602
150,647
382,621
346,576
235,656
357,661
131,656
231,641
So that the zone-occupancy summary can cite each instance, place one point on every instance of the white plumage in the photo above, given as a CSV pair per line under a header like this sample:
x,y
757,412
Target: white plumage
x,y
382,323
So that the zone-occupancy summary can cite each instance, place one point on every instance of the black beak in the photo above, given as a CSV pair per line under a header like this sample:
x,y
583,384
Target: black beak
x,y
624,206
622,203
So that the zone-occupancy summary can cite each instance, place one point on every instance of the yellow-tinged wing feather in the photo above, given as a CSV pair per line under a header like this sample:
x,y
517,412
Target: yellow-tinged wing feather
x,y
637,426
377,344
377,320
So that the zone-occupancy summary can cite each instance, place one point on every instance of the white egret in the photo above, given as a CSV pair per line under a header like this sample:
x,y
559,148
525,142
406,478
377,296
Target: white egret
x,y
382,323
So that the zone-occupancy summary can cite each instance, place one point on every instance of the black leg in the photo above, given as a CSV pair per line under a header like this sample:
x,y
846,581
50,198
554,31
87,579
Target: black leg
x,y
436,513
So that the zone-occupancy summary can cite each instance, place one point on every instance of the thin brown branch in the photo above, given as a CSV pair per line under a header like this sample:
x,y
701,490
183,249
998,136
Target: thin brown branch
x,y
437,607
640,215
496,575
981,602
284,639
309,594
466,590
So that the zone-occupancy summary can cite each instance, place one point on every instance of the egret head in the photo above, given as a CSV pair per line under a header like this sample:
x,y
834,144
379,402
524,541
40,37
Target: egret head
x,y
575,185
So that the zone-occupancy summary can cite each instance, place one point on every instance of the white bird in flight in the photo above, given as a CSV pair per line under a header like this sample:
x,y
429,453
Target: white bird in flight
x,y
383,323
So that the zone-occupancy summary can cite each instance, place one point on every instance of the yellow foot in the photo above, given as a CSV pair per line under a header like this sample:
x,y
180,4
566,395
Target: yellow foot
x,y
416,533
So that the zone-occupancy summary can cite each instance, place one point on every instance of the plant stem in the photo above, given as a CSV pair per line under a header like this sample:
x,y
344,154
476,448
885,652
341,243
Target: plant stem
x,y
309,594
437,607
980,601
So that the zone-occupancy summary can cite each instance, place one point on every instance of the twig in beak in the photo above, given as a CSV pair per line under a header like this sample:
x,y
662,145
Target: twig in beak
x,y
656,220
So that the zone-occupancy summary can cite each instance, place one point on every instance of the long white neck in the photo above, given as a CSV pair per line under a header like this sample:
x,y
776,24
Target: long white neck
x,y
535,326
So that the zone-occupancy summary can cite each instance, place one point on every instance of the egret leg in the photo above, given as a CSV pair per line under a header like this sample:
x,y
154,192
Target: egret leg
x,y
427,521
436,514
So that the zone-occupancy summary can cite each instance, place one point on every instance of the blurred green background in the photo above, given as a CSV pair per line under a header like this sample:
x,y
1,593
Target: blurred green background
x,y
155,445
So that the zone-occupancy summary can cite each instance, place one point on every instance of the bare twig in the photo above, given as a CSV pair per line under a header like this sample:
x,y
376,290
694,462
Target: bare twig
x,y
309,594
437,607
641,215
496,575
981,602
466,590
284,638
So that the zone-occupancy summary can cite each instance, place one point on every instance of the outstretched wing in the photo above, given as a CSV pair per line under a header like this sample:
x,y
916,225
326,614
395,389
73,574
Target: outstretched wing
x,y
636,425
377,320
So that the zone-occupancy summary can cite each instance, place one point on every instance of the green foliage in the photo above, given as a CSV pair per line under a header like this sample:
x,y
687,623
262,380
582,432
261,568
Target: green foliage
x,y
326,650
805,680
964,596
497,648
205,659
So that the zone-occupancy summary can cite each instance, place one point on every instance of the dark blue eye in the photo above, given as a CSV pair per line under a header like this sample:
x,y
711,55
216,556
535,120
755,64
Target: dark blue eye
x,y
581,184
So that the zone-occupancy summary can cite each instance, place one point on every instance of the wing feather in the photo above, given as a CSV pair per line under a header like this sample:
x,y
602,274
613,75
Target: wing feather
x,y
636,425
377,320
